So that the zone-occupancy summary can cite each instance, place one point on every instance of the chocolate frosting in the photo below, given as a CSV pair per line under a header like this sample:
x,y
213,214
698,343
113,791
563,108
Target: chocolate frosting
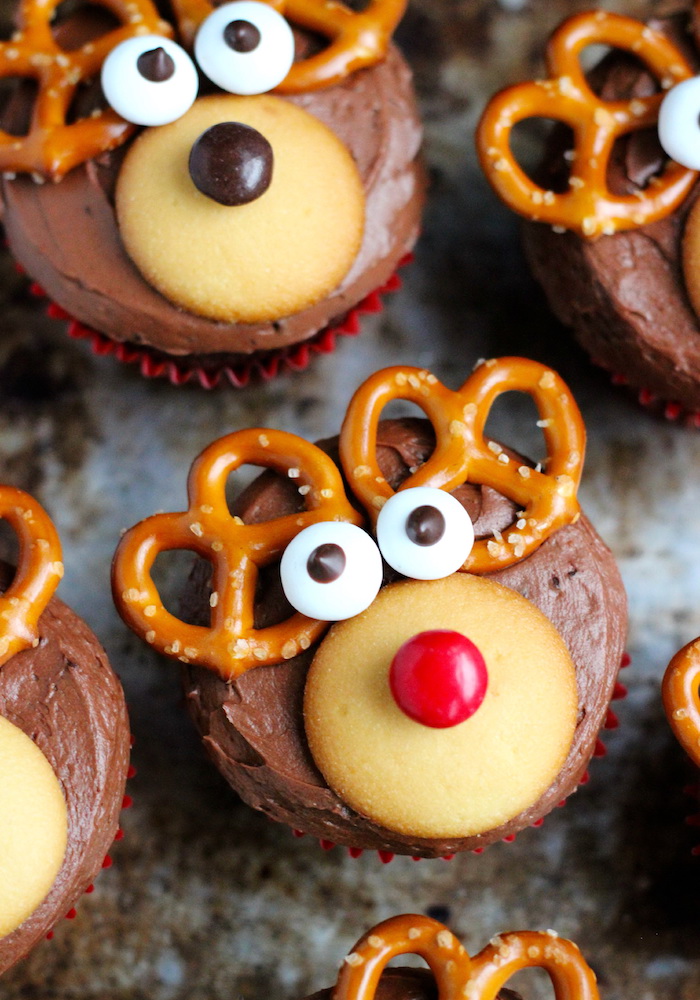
x,y
64,695
624,295
253,728
66,235
408,984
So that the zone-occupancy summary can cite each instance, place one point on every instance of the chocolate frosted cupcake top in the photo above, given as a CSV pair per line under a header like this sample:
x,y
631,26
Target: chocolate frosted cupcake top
x,y
447,647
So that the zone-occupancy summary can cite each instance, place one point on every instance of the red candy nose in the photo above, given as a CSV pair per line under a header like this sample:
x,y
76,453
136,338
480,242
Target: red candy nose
x,y
438,678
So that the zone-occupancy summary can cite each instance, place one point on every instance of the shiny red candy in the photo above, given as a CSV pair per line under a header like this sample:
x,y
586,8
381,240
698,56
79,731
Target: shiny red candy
x,y
438,678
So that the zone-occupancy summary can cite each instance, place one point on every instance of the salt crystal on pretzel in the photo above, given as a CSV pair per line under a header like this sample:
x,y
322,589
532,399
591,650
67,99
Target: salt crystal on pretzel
x,y
356,39
53,146
588,207
456,974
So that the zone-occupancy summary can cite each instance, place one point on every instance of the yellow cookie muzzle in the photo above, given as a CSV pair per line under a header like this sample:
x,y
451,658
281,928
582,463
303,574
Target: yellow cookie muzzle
x,y
458,781
33,827
282,251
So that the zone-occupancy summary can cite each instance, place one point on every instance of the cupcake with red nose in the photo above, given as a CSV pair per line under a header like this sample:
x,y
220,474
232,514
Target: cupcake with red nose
x,y
221,206
405,639
64,741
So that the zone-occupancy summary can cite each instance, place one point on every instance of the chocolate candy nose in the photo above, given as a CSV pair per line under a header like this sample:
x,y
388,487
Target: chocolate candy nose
x,y
231,163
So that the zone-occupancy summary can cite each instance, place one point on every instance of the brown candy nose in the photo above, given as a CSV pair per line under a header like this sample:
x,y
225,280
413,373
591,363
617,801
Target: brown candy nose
x,y
231,163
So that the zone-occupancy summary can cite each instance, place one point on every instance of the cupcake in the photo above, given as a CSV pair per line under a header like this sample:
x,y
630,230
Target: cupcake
x,y
681,696
239,229
64,741
612,231
476,642
364,975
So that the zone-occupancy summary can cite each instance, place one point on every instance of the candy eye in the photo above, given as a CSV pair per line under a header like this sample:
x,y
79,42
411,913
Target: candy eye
x,y
149,80
331,570
679,123
424,533
245,47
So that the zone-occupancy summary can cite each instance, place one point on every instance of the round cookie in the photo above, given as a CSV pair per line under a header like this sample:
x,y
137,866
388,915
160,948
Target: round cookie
x,y
33,845
258,653
367,748
257,261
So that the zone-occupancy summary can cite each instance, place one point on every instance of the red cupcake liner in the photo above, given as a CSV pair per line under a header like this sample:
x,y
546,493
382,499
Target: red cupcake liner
x,y
600,750
669,409
107,862
294,358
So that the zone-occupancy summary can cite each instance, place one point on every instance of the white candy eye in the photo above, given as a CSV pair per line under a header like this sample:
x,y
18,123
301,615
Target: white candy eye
x,y
245,47
679,123
331,570
424,533
149,80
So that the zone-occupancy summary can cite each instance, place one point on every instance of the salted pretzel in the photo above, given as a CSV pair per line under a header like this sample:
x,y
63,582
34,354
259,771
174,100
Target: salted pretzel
x,y
356,39
52,147
38,572
681,696
588,207
231,644
546,499
459,977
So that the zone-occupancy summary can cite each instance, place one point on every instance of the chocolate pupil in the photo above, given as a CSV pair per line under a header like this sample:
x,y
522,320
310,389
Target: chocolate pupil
x,y
155,65
425,525
326,563
231,163
241,36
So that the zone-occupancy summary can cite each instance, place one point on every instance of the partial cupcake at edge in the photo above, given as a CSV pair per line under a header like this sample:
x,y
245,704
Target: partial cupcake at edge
x,y
364,972
214,194
613,228
479,619
64,741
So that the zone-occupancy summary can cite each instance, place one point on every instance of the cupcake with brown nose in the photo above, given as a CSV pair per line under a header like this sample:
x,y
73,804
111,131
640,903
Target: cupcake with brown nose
x,y
478,620
240,227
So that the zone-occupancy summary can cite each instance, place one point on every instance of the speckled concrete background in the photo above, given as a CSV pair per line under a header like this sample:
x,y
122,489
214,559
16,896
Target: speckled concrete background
x,y
208,901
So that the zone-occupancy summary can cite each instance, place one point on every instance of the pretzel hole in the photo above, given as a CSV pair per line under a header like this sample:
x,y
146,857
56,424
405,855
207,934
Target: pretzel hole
x,y
76,22
9,553
616,75
533,983
543,149
17,98
172,574
513,418
245,485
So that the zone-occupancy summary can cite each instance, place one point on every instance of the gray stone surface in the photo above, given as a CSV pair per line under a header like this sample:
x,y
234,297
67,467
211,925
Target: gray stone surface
x,y
207,900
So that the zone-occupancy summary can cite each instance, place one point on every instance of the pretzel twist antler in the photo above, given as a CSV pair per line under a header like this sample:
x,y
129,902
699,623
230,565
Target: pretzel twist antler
x,y
588,207
39,570
458,977
231,645
52,147
356,39
681,697
462,454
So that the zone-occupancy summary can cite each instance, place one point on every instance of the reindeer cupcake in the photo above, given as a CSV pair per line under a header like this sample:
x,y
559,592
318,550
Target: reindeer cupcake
x,y
613,225
452,972
459,695
241,229
64,741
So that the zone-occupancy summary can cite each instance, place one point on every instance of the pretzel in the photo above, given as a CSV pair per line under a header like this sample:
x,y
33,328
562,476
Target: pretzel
x,y
231,644
458,976
356,39
547,500
52,147
588,207
38,571
681,696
